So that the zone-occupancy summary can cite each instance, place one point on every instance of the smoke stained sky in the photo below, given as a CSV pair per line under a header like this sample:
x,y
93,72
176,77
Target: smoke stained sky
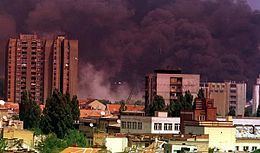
x,y
122,40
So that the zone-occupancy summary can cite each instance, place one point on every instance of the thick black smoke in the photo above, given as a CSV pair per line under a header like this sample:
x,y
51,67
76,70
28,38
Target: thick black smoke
x,y
125,39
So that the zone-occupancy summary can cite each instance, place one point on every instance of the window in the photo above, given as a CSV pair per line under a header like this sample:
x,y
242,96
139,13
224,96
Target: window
x,y
254,148
157,126
245,148
237,148
134,125
123,124
202,118
176,127
129,125
140,125
168,126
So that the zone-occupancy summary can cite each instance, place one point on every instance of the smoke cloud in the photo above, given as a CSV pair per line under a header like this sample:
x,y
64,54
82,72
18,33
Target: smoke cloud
x,y
122,40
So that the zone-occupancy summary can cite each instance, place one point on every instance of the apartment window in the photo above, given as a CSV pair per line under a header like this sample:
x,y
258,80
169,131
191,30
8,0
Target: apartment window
x,y
237,148
123,124
202,118
168,126
245,148
254,148
129,125
140,125
157,126
134,125
176,127
233,91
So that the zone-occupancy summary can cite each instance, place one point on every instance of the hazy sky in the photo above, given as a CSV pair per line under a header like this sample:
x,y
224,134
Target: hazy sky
x,y
255,4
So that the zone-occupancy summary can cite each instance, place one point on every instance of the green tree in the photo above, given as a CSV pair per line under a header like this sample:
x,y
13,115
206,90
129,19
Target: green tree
x,y
174,108
200,94
30,112
3,145
158,104
186,101
248,111
51,144
75,112
57,117
182,103
232,111
75,138
258,111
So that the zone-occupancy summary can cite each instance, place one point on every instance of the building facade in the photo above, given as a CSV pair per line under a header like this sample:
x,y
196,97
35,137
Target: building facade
x,y
256,94
160,124
169,84
39,66
227,95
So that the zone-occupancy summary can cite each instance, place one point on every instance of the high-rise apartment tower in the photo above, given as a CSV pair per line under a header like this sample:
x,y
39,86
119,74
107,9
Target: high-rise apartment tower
x,y
39,66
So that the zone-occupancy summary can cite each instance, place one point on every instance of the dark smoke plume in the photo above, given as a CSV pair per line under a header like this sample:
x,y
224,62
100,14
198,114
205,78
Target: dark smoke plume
x,y
122,40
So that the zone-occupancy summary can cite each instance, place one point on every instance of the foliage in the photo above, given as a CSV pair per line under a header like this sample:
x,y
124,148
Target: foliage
x,y
158,104
248,111
75,138
75,112
52,144
3,145
211,150
57,116
200,94
30,112
256,151
182,103
258,111
232,111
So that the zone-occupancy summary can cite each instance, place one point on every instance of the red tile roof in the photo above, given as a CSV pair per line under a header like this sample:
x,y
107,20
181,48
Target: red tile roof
x,y
114,108
90,113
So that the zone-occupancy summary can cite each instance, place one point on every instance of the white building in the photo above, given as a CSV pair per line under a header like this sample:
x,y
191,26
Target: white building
x,y
256,94
246,128
160,124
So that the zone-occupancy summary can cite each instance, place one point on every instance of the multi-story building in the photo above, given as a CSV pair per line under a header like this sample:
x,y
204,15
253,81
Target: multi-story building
x,y
256,95
227,95
169,84
202,121
158,124
39,66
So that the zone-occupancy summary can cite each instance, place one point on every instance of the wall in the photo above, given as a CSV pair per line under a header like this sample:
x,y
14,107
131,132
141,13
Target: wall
x,y
146,124
221,137
116,144
190,82
250,143
163,120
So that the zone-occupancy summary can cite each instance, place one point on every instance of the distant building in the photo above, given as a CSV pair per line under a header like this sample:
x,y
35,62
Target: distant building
x,y
227,95
202,121
159,124
39,66
256,95
169,84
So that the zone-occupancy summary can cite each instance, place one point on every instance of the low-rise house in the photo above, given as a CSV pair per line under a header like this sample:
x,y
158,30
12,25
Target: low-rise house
x,y
127,110
91,104
159,124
